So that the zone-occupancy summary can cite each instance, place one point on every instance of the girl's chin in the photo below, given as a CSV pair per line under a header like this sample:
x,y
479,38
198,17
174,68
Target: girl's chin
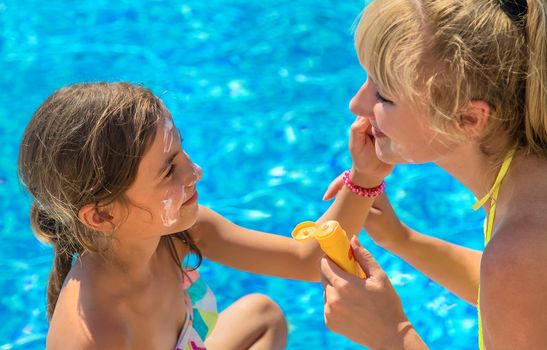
x,y
188,216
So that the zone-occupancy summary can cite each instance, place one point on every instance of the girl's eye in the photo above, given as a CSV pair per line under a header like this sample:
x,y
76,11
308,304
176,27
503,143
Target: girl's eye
x,y
382,98
170,171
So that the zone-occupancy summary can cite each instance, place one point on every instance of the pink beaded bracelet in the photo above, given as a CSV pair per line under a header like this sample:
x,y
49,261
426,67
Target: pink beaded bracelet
x,y
362,191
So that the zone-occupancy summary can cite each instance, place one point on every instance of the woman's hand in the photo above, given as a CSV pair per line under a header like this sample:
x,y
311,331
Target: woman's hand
x,y
367,167
367,311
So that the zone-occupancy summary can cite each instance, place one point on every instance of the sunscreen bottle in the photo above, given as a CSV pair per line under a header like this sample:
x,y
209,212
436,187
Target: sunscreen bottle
x,y
333,241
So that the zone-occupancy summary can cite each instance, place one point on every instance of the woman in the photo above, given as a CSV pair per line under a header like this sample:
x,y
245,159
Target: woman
x,y
462,84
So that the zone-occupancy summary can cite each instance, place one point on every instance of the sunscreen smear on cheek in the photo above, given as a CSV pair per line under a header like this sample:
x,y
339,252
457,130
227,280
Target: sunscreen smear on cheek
x,y
171,205
167,216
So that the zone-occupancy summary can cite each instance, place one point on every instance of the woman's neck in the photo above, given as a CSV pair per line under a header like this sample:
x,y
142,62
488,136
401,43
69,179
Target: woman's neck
x,y
472,168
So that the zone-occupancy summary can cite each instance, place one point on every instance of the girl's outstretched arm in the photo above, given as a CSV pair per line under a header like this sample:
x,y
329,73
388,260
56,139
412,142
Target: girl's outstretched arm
x,y
271,254
276,255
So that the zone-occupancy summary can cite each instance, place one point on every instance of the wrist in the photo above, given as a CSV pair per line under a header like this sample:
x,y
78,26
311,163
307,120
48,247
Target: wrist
x,y
364,180
405,338
369,192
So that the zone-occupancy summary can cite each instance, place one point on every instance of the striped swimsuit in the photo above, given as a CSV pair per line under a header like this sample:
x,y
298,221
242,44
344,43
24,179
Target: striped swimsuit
x,y
201,313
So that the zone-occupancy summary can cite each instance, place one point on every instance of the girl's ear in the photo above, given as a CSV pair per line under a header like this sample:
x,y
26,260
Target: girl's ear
x,y
474,118
96,218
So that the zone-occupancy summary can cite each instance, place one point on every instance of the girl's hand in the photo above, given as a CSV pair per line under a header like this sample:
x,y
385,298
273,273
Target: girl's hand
x,y
367,311
366,163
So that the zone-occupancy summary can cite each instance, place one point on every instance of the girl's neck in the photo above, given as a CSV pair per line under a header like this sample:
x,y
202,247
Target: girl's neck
x,y
134,262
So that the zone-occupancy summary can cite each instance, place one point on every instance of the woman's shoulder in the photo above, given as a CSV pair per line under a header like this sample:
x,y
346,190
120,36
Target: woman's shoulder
x,y
514,259
513,282
518,242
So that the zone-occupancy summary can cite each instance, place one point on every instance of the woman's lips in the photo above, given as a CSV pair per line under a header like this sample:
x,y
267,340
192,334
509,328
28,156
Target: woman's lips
x,y
377,133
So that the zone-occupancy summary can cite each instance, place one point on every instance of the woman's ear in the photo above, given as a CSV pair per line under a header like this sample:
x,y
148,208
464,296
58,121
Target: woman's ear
x,y
474,118
96,218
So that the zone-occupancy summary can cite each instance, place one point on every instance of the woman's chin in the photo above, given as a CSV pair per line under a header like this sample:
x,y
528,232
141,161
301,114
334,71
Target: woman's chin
x,y
388,156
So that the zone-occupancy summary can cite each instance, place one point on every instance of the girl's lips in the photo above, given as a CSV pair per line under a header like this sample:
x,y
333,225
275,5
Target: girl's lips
x,y
377,133
192,199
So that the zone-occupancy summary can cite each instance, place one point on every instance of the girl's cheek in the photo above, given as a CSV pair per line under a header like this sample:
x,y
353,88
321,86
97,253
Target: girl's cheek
x,y
167,215
171,204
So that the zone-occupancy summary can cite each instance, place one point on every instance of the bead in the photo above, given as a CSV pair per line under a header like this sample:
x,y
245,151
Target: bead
x,y
362,191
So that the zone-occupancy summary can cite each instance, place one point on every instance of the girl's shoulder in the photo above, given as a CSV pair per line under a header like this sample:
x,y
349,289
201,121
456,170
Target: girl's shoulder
x,y
92,324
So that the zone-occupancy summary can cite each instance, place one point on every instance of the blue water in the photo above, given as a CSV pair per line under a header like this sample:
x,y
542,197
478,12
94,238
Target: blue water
x,y
259,90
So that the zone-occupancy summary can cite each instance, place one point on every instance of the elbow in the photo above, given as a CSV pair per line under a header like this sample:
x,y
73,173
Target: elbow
x,y
309,261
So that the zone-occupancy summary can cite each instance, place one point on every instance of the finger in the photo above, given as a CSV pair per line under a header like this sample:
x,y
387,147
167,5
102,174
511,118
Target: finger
x,y
328,293
359,127
332,274
358,132
334,187
327,275
367,262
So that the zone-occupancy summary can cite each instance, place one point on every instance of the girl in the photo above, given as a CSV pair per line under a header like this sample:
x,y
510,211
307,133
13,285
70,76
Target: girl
x,y
462,84
116,195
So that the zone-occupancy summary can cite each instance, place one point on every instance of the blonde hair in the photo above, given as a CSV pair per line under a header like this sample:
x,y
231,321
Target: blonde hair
x,y
445,53
83,145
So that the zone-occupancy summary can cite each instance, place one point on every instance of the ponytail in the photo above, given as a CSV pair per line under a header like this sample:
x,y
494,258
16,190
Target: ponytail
x,y
536,82
62,262
50,231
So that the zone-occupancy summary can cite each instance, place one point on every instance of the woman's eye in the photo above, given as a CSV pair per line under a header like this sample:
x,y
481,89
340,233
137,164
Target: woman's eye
x,y
382,98
170,171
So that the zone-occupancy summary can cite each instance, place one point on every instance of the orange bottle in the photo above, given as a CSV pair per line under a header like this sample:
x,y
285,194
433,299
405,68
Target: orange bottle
x,y
333,241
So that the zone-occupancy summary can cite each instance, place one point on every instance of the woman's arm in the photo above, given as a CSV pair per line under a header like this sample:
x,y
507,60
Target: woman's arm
x,y
454,267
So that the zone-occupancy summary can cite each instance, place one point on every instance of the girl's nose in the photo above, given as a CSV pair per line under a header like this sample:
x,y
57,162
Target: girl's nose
x,y
194,174
197,172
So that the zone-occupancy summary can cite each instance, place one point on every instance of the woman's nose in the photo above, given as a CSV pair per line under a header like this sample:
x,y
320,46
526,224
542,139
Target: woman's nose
x,y
363,101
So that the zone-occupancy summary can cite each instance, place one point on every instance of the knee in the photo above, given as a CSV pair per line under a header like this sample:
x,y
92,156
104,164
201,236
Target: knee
x,y
269,312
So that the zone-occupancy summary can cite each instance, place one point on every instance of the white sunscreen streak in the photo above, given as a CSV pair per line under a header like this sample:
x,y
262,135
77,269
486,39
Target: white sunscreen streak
x,y
168,135
170,214
167,213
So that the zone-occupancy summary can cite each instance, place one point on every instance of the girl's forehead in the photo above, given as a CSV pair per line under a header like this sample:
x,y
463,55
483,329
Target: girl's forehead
x,y
166,141
167,135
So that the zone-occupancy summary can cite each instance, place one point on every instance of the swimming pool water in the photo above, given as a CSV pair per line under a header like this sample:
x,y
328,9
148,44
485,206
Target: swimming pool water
x,y
259,90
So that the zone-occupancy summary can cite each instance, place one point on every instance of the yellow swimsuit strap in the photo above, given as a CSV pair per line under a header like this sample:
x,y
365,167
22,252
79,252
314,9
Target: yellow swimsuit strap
x,y
493,194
